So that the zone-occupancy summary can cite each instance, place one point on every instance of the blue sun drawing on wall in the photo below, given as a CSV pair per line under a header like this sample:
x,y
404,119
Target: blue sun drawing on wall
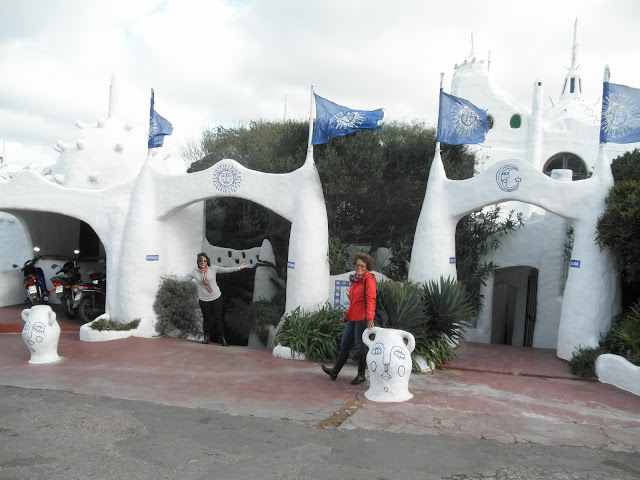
x,y
226,178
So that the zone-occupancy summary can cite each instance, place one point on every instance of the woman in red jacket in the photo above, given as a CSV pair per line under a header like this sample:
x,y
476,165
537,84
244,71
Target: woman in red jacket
x,y
360,314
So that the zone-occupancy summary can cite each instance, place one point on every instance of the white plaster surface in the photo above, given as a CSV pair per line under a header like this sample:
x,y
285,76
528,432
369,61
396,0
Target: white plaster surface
x,y
281,351
618,371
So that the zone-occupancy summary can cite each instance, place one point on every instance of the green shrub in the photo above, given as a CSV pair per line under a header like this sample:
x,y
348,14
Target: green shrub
x,y
261,314
315,334
448,307
108,324
624,336
583,362
434,313
176,306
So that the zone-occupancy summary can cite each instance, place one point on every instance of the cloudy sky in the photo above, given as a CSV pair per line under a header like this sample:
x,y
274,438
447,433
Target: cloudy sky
x,y
226,62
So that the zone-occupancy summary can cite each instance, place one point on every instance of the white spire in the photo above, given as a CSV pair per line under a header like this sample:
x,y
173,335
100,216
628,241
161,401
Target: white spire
x,y
572,86
574,50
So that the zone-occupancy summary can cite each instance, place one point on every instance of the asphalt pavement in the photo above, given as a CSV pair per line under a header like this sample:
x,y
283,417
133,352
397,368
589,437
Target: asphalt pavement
x,y
495,412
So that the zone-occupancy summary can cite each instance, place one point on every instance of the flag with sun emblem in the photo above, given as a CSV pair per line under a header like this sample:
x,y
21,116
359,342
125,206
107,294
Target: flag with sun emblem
x,y
460,122
334,120
158,126
620,121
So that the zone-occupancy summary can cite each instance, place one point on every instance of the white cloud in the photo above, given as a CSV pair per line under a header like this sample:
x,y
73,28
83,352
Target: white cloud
x,y
217,62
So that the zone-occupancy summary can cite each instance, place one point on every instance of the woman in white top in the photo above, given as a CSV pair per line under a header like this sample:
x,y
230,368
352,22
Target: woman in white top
x,y
209,295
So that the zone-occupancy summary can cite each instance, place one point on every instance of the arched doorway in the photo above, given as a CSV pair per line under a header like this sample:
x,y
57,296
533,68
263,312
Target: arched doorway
x,y
567,161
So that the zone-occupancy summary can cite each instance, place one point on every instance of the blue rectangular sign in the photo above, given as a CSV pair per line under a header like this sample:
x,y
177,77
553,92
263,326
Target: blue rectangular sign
x,y
575,263
452,259
153,258
291,264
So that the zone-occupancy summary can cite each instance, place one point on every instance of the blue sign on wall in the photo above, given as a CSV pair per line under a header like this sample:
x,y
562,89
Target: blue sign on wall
x,y
291,264
575,263
452,259
341,294
153,258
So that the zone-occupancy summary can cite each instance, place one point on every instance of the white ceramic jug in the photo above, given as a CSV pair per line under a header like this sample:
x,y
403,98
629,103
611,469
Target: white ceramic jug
x,y
41,334
389,362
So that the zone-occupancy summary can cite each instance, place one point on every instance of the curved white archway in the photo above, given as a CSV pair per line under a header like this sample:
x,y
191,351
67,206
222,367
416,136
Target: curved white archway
x,y
592,293
297,196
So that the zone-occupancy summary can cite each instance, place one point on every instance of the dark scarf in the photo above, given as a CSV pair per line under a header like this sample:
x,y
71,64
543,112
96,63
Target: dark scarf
x,y
355,278
204,278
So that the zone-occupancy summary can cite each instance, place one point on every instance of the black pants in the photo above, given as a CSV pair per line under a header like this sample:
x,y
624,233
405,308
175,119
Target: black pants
x,y
212,315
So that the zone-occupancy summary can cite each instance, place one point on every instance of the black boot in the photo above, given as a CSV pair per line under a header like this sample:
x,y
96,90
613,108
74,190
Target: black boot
x,y
223,341
206,339
342,359
362,366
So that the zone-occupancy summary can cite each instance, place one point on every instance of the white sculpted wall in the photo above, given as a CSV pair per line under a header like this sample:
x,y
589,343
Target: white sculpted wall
x,y
150,222
584,316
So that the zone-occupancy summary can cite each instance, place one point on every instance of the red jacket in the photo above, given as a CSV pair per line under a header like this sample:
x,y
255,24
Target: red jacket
x,y
356,312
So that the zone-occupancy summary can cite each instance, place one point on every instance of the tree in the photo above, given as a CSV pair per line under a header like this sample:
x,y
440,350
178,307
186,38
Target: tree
x,y
619,226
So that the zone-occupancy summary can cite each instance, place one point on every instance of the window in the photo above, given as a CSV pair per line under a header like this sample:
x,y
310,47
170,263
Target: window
x,y
569,161
490,121
515,121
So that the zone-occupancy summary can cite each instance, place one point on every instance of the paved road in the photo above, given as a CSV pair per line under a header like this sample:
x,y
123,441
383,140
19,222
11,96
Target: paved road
x,y
48,434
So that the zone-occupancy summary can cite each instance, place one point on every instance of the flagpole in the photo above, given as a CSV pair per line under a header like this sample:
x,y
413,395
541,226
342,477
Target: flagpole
x,y
309,145
150,114
439,107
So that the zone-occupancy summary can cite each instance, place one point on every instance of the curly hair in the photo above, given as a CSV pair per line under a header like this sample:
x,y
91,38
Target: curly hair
x,y
203,254
366,258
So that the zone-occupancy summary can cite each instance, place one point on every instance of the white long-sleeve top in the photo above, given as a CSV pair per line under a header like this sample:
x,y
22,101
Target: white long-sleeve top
x,y
203,293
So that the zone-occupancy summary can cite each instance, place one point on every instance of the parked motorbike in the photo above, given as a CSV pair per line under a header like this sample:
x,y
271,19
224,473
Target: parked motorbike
x,y
89,299
65,279
34,282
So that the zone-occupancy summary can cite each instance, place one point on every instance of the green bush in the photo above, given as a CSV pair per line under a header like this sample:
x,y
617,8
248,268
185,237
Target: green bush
x,y
624,336
261,314
176,306
108,324
315,334
583,362
619,227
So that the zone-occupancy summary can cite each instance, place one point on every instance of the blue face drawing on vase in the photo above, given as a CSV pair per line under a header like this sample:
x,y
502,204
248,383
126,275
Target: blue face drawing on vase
x,y
389,362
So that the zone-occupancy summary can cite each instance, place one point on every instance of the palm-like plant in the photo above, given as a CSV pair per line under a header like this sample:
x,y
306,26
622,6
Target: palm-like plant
x,y
447,307
434,313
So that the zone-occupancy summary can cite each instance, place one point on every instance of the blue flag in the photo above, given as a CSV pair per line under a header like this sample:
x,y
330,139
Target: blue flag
x,y
158,126
620,121
333,120
460,122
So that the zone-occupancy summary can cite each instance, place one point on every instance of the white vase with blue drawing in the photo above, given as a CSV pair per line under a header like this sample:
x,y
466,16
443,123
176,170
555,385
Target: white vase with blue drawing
x,y
389,363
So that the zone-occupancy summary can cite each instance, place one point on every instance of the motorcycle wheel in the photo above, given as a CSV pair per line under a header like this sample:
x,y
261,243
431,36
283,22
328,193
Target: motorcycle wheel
x,y
86,312
68,310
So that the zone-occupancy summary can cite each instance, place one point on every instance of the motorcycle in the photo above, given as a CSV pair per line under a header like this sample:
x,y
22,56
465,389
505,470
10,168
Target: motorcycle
x,y
89,299
34,282
65,279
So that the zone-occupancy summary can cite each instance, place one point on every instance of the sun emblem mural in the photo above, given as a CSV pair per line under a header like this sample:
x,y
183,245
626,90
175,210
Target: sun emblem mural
x,y
226,178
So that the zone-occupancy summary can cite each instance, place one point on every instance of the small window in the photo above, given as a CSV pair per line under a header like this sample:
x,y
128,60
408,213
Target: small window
x,y
566,160
490,121
515,121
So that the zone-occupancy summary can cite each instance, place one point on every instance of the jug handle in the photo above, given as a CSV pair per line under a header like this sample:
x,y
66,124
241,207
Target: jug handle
x,y
411,340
